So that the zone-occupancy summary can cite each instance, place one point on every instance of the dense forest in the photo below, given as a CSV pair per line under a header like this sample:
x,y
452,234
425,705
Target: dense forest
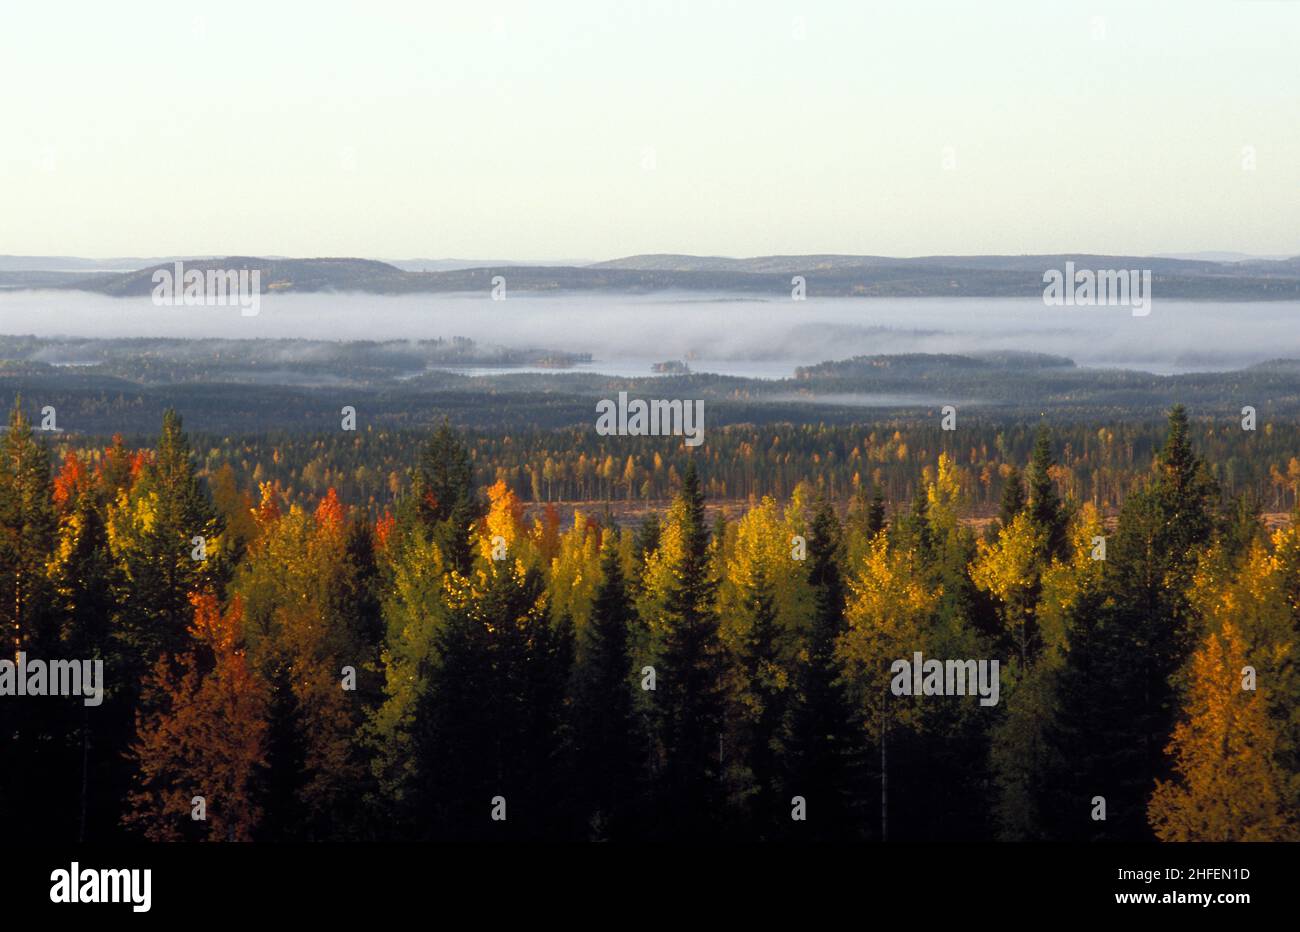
x,y
743,463
300,667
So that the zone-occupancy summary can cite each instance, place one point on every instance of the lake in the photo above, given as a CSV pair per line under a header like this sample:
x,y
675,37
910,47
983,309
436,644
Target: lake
x,y
748,337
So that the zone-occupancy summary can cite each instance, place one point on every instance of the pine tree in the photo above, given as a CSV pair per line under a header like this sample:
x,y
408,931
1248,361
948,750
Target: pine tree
x,y
1045,508
822,743
445,497
1187,499
83,575
491,722
690,685
29,623
865,518
876,510
763,707
27,534
914,531
1093,747
1013,498
152,529
1162,530
609,746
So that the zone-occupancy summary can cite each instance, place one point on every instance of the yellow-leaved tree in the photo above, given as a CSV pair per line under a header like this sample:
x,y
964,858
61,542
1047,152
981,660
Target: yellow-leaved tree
x,y
575,571
1009,570
1229,786
889,613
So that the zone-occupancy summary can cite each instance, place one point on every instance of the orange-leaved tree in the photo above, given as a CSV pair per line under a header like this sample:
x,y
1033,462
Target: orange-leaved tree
x,y
205,735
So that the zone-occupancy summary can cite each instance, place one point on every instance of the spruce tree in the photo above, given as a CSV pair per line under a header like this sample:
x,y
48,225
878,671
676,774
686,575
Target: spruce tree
x,y
690,685
27,526
28,623
1095,742
609,746
83,576
763,714
491,721
1118,693
166,510
876,510
1045,507
821,739
1013,498
444,494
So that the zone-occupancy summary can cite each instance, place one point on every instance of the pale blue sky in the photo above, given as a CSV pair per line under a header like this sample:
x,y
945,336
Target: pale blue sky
x,y
597,129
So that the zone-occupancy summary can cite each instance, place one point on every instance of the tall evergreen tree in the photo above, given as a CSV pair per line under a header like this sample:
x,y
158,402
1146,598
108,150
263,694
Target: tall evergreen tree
x,y
609,746
445,497
876,510
490,723
27,530
28,623
154,533
1013,498
1045,507
763,712
83,575
914,532
1118,693
822,741
690,686
1092,746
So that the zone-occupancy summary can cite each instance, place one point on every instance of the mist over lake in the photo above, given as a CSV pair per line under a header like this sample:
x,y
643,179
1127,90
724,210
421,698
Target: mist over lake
x,y
626,334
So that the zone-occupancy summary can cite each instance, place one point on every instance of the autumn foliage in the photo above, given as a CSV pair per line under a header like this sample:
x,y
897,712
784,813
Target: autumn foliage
x,y
321,669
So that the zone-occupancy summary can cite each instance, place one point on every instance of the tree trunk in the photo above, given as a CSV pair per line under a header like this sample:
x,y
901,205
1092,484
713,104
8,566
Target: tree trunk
x,y
884,770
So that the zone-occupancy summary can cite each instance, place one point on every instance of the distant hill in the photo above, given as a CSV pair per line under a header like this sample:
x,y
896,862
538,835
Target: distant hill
x,y
843,263
763,276
276,274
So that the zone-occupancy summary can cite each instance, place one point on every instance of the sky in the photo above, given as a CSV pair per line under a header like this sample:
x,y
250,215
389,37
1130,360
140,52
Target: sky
x,y
590,130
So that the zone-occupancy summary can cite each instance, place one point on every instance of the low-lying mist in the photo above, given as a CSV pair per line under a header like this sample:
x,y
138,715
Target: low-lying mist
x,y
626,334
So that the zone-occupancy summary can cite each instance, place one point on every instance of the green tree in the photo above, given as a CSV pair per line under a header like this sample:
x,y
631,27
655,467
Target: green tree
x,y
822,742
445,496
763,704
153,530
1013,498
1045,508
608,743
492,721
690,686
27,534
34,733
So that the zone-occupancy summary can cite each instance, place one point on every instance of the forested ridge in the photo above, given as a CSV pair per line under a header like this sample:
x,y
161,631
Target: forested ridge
x,y
418,656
